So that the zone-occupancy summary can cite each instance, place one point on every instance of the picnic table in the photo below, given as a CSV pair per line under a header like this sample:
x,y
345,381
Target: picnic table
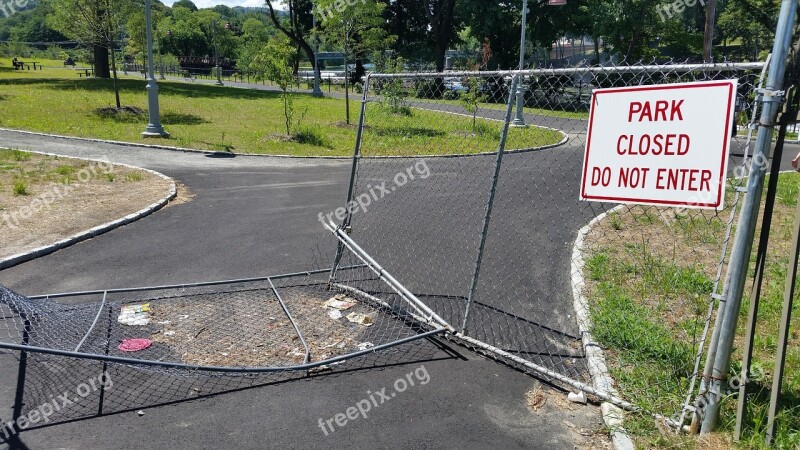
x,y
27,65
88,71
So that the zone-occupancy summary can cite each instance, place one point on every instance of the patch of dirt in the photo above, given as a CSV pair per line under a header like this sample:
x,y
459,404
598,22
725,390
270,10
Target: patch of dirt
x,y
278,137
113,111
250,329
183,195
66,196
641,236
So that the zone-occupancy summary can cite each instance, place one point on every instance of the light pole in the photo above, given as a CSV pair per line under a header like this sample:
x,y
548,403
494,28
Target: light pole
x,y
317,90
214,24
154,127
519,121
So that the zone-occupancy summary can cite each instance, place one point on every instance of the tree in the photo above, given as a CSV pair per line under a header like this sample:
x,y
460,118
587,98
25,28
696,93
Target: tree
x,y
187,37
441,17
185,4
472,98
95,22
295,26
359,30
274,63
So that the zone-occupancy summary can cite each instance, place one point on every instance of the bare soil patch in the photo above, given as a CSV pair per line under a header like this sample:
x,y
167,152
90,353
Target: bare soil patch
x,y
250,329
44,199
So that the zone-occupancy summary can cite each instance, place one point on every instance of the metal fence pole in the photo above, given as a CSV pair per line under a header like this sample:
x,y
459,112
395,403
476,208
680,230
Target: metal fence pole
x,y
743,243
487,217
758,281
353,173
783,335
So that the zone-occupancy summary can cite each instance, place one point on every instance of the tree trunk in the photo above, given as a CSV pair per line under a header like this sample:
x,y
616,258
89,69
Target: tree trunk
x,y
101,68
708,36
596,49
442,24
346,90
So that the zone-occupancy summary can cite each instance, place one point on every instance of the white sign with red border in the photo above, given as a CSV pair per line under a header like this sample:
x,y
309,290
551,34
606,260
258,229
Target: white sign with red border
x,y
663,145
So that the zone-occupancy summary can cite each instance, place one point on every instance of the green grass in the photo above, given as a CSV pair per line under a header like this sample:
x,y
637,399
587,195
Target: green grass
x,y
578,115
20,188
230,119
647,311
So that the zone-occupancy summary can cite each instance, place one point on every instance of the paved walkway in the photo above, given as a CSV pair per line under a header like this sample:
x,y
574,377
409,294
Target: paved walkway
x,y
254,216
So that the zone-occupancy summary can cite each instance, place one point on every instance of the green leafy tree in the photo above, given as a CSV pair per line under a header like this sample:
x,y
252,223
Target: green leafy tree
x,y
99,23
295,24
472,98
274,63
357,29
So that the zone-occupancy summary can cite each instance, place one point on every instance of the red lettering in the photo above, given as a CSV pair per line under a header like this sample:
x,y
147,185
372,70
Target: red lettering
x,y
635,107
676,110
661,109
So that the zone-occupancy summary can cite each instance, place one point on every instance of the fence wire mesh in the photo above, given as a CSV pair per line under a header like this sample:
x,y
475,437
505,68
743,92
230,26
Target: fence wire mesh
x,y
476,229
498,244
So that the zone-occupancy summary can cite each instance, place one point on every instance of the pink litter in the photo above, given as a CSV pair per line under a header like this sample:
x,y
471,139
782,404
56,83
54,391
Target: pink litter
x,y
135,345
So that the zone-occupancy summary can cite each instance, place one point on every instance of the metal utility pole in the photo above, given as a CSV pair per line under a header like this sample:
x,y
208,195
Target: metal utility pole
x,y
771,98
317,90
519,120
708,37
154,127
214,25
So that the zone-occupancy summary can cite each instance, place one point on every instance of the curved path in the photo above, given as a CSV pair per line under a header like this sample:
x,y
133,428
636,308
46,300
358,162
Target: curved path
x,y
254,216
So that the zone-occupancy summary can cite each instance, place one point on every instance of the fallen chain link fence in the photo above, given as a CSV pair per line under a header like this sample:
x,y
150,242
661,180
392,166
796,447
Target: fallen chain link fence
x,y
476,233
492,236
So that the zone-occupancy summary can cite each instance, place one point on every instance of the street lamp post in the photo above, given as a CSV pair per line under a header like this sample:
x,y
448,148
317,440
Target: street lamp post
x,y
154,127
317,90
214,25
519,121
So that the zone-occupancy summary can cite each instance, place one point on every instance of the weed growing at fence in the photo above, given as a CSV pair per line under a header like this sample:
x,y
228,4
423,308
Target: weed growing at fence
x,y
647,305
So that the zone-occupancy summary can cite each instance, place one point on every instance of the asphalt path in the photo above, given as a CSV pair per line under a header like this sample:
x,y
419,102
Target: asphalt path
x,y
253,216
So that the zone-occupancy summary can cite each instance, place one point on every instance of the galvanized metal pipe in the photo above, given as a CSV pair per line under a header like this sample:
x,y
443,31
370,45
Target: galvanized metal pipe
x,y
743,243
169,365
307,357
487,215
387,277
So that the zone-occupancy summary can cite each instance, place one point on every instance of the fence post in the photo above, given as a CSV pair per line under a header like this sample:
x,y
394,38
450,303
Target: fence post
x,y
743,243
487,217
353,172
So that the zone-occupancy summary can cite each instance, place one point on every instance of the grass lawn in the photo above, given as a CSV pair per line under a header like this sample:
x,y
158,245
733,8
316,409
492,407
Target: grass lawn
x,y
230,119
648,285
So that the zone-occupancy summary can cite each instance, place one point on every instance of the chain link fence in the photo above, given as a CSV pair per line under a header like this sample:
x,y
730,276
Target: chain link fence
x,y
494,239
475,232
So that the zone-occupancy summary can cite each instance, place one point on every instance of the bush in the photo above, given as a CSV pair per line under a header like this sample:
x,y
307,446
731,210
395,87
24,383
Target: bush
x,y
312,136
20,188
